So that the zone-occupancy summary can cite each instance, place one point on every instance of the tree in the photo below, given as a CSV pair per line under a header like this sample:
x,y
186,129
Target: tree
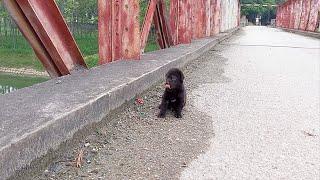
x,y
266,13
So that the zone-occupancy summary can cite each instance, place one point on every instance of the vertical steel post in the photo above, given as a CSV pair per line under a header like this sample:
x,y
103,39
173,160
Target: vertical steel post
x,y
180,21
105,31
314,15
131,30
119,30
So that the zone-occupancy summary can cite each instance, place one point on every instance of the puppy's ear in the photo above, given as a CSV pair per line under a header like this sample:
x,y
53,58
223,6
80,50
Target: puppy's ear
x,y
168,74
181,76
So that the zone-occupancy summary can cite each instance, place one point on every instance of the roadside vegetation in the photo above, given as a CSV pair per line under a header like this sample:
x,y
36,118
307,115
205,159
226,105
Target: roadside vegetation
x,y
266,12
82,19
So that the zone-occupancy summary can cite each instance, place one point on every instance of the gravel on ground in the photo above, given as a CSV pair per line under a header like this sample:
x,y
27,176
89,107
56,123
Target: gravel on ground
x,y
135,144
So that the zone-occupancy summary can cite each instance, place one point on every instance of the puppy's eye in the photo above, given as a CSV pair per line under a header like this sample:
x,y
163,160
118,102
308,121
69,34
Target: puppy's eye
x,y
174,79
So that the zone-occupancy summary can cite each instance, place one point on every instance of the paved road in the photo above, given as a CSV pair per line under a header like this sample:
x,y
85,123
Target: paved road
x,y
264,109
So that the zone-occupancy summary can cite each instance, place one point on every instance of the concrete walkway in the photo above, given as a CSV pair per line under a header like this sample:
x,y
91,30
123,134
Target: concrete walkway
x,y
264,109
252,113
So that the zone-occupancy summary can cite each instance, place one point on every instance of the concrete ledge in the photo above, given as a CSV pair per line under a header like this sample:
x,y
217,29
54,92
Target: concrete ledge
x,y
37,119
304,33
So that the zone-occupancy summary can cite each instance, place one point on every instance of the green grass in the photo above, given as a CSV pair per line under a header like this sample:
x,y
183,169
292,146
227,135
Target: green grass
x,y
15,52
25,58
151,46
16,59
88,44
92,60
9,82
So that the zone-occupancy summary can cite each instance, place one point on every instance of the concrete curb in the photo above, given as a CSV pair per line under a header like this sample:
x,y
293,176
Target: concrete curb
x,y
37,119
304,33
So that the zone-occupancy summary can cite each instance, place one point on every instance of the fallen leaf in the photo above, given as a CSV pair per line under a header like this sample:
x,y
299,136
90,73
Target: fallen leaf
x,y
139,101
79,159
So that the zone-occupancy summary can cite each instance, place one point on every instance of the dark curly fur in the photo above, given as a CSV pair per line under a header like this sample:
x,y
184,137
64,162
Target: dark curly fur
x,y
174,97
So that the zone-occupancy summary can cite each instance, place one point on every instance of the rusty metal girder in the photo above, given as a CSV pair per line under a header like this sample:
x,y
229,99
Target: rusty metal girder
x,y
47,21
297,17
239,13
313,22
119,30
156,13
292,12
212,6
105,31
31,36
162,26
147,23
216,17
174,20
299,14
200,16
44,27
208,15
180,21
306,6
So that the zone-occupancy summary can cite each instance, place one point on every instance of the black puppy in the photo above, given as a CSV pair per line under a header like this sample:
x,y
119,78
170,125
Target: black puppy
x,y
174,97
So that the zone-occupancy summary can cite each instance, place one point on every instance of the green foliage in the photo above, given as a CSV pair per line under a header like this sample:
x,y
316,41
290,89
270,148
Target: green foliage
x,y
19,59
82,18
267,13
10,82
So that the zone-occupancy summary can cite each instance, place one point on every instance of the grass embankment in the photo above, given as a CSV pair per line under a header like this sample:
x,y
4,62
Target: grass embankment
x,y
19,81
18,54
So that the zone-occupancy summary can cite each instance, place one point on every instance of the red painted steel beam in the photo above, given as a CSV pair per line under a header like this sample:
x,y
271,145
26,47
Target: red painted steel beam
x,y
147,23
105,31
184,26
239,13
131,30
180,21
306,7
212,12
208,15
216,17
313,22
298,14
162,26
200,19
50,27
31,36
174,20
119,30
292,14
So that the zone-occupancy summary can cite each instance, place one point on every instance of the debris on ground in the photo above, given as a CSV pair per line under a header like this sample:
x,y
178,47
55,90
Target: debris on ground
x,y
139,101
79,159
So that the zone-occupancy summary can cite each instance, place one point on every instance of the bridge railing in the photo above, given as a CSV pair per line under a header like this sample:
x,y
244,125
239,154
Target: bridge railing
x,y
299,14
120,34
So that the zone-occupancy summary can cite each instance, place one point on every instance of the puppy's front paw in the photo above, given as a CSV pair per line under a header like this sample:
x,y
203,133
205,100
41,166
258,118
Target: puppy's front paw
x,y
178,115
161,115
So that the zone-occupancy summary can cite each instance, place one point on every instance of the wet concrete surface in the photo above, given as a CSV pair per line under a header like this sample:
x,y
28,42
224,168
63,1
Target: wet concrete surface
x,y
264,108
